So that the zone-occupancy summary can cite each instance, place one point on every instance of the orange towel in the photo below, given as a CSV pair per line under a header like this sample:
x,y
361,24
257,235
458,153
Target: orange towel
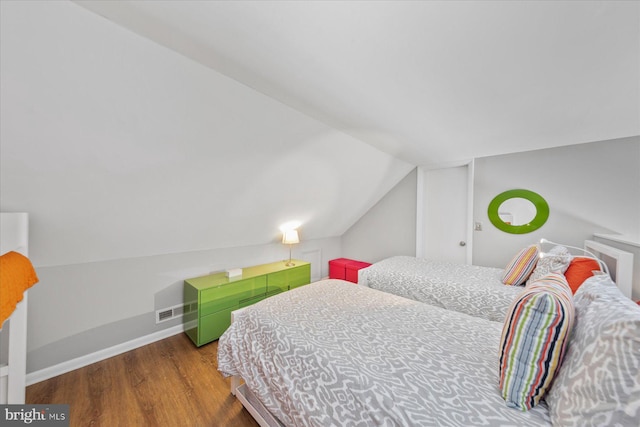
x,y
16,276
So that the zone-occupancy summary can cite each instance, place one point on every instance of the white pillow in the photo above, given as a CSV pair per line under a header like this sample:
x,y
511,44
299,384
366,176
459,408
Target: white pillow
x,y
599,381
557,260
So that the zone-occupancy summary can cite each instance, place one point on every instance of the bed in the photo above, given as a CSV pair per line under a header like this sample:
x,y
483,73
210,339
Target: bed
x,y
470,289
314,358
475,290
14,235
311,357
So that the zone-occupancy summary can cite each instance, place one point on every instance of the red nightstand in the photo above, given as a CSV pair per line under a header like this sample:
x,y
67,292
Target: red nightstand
x,y
346,269
352,270
337,268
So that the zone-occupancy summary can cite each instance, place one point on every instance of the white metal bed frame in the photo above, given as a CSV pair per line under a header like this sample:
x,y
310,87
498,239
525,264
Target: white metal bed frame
x,y
622,269
14,236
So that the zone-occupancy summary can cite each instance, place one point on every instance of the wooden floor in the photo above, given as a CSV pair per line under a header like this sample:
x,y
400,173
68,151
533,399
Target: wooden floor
x,y
167,383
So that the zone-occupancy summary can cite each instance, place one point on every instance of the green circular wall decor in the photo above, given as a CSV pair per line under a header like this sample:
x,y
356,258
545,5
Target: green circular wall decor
x,y
542,211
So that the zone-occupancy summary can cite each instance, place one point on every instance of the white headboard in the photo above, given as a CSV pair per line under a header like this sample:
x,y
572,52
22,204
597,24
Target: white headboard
x,y
620,264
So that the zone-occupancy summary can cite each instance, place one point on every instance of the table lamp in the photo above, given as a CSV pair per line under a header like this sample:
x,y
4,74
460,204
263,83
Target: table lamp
x,y
290,237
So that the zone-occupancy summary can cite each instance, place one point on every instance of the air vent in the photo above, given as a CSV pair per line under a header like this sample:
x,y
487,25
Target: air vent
x,y
165,315
174,312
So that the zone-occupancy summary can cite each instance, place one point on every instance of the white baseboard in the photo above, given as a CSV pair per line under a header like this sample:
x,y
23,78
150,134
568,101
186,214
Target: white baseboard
x,y
79,362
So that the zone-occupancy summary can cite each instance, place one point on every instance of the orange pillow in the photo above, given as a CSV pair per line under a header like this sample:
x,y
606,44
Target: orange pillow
x,y
16,276
580,270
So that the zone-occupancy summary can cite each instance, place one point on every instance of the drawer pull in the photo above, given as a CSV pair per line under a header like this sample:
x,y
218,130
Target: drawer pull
x,y
246,300
275,292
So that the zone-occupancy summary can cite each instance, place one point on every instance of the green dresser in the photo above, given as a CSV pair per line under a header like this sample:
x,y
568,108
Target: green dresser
x,y
215,296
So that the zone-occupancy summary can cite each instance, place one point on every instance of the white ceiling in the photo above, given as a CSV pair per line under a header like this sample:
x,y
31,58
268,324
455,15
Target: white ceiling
x,y
428,82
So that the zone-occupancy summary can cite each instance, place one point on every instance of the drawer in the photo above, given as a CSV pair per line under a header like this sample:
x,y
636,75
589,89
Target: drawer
x,y
337,268
299,276
297,285
248,301
212,326
229,295
352,270
277,282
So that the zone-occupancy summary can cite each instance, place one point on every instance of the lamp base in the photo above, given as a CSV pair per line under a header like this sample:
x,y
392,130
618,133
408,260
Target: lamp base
x,y
289,263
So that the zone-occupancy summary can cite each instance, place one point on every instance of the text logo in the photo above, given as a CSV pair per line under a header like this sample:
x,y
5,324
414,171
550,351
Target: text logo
x,y
35,415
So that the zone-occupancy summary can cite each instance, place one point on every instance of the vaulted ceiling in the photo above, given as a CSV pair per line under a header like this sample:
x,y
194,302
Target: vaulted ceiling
x,y
428,82
133,128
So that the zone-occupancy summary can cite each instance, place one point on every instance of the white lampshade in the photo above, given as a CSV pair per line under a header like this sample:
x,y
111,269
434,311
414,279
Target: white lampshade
x,y
290,237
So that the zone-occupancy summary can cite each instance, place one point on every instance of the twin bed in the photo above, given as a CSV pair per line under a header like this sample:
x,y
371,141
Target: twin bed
x,y
475,290
315,358
333,353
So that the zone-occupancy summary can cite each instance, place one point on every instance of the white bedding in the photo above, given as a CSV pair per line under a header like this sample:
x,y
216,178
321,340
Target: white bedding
x,y
336,354
471,289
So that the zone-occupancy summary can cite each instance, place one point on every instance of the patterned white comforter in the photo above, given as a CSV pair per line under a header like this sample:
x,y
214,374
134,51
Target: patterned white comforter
x,y
336,354
471,289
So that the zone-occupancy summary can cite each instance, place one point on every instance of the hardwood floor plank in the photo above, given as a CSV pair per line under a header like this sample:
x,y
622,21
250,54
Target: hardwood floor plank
x,y
166,383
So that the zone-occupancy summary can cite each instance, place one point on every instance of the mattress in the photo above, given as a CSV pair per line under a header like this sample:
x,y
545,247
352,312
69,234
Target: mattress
x,y
471,289
333,353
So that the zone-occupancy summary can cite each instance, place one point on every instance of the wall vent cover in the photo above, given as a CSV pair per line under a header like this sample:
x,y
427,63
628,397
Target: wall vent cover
x,y
174,312
165,315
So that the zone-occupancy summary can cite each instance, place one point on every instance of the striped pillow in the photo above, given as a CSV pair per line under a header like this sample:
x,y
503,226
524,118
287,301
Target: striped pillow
x,y
521,266
534,338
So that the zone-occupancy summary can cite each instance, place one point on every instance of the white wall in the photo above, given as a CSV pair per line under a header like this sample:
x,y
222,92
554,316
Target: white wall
x,y
590,188
83,308
387,229
140,168
119,147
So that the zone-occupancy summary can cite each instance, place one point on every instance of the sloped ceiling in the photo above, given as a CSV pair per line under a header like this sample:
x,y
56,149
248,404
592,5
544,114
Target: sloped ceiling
x,y
119,147
151,127
428,82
